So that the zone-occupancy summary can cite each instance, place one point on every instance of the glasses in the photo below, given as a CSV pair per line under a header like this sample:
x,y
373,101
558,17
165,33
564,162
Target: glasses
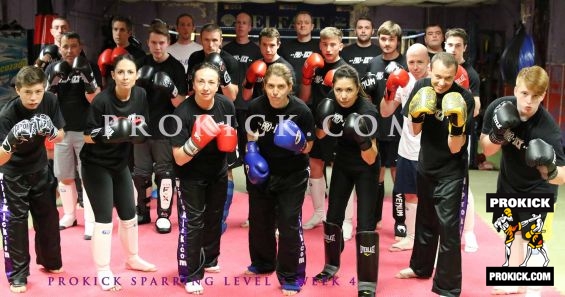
x,y
202,83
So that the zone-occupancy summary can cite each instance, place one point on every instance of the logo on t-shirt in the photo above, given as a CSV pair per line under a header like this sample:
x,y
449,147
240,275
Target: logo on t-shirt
x,y
299,54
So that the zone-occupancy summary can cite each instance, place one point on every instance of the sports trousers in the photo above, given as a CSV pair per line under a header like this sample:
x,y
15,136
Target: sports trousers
x,y
200,209
342,182
33,193
106,189
278,204
439,202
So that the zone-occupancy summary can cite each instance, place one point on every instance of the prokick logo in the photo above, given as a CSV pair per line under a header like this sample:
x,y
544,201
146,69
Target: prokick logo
x,y
521,215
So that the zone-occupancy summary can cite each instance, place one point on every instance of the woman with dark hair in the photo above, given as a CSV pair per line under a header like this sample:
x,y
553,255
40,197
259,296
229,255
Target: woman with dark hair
x,y
352,119
115,120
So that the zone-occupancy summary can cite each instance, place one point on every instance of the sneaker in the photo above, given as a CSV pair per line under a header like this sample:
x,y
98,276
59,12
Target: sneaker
x,y
399,231
347,229
471,244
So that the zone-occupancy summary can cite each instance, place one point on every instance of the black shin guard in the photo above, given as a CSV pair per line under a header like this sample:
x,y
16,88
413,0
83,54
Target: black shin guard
x,y
380,201
367,262
399,214
141,184
333,246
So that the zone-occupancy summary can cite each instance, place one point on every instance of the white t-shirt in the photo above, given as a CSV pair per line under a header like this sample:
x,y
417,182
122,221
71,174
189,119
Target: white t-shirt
x,y
409,146
182,52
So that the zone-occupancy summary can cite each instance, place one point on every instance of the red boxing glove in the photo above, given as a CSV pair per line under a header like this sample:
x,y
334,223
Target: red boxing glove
x,y
118,51
329,78
309,69
254,73
227,139
461,77
104,60
398,78
204,130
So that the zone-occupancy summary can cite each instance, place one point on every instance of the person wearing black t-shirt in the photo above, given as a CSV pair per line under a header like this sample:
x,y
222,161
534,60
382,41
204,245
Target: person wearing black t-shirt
x,y
456,44
163,78
115,120
317,75
27,183
280,137
296,51
353,120
211,39
440,110
528,138
75,81
207,134
245,52
433,39
360,53
375,84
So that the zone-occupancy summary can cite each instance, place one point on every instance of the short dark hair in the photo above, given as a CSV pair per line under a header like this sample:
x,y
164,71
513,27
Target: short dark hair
x,y
159,28
364,18
457,32
448,60
211,27
71,35
182,15
29,76
123,19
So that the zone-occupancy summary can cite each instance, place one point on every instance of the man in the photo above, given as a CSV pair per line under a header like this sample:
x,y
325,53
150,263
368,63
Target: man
x,y
27,183
440,110
456,44
433,39
408,148
296,51
75,87
375,83
50,52
360,53
317,77
529,139
122,30
269,43
245,52
184,47
164,80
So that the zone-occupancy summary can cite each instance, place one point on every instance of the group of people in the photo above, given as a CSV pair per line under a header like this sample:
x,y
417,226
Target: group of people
x,y
191,113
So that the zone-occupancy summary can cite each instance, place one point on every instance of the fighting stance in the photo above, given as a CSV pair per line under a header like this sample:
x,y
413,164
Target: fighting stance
x,y
26,182
353,119
200,152
280,137
529,138
439,109
164,80
536,241
115,120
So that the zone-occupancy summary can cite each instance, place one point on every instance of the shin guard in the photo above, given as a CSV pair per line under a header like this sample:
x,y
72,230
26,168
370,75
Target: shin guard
x,y
333,246
399,214
229,198
367,262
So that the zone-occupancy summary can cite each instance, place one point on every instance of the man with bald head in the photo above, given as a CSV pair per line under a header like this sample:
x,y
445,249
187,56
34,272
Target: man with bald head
x,y
405,205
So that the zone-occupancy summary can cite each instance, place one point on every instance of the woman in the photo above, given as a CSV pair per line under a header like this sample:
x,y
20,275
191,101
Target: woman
x,y
281,133
352,119
206,135
115,119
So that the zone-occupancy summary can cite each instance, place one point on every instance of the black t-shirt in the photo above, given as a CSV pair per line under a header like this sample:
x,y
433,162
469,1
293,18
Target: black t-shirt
x,y
474,80
390,128
30,156
231,66
258,88
262,117
296,53
515,176
435,159
319,90
72,100
136,51
244,54
347,151
209,163
113,156
160,103
360,57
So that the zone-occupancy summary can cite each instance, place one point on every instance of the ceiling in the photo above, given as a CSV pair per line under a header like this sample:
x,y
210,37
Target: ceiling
x,y
364,2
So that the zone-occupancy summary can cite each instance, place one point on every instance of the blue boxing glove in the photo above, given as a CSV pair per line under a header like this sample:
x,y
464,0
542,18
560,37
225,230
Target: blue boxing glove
x,y
289,136
255,165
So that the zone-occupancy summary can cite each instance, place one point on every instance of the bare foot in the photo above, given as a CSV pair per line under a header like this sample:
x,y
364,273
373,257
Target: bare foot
x,y
406,273
289,292
508,290
18,289
55,271
248,272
